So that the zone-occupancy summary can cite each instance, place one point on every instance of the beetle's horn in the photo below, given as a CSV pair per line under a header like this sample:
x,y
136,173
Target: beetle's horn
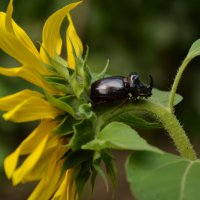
x,y
150,86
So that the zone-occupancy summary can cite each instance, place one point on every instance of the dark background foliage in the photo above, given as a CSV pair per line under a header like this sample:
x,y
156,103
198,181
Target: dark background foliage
x,y
148,37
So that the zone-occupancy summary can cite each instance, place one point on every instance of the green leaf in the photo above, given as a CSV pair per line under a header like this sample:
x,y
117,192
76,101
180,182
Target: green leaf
x,y
117,135
163,176
194,50
136,120
83,133
162,97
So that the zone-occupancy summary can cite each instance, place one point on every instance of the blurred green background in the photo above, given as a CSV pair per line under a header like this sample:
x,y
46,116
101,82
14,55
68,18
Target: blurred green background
x,y
148,37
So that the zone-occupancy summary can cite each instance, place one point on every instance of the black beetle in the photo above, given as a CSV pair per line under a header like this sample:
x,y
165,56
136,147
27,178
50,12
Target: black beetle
x,y
119,88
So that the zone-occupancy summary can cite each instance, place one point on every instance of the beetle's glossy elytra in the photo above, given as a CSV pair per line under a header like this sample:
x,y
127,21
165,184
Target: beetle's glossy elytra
x,y
119,88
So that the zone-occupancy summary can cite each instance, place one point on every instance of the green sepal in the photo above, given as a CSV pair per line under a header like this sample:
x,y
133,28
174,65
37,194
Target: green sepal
x,y
110,166
55,79
83,133
76,158
82,110
82,177
83,71
61,69
76,85
94,172
58,65
98,168
60,104
49,67
93,177
86,111
97,76
58,83
65,126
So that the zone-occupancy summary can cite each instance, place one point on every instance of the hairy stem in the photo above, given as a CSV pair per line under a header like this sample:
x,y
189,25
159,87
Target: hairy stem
x,y
164,116
174,129
176,82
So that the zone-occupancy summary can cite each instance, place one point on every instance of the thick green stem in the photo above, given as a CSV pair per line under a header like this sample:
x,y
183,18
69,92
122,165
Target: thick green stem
x,y
167,119
176,82
174,129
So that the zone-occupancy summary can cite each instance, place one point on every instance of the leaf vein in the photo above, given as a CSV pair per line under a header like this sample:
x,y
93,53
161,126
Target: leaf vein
x,y
183,180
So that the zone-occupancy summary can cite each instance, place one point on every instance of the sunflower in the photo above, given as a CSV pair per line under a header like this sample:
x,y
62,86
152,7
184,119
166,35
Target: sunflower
x,y
51,153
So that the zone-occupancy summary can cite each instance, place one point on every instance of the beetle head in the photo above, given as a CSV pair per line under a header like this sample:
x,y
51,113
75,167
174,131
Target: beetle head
x,y
137,88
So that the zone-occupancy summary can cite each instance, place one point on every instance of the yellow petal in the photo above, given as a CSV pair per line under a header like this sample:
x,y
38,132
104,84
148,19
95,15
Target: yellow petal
x,y
28,145
62,190
74,44
28,74
52,42
19,34
66,191
10,163
70,54
8,19
32,76
16,49
47,186
34,108
74,38
53,151
10,71
29,163
10,101
10,26
31,142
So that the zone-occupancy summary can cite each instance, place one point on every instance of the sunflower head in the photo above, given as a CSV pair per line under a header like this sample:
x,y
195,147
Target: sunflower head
x,y
53,151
